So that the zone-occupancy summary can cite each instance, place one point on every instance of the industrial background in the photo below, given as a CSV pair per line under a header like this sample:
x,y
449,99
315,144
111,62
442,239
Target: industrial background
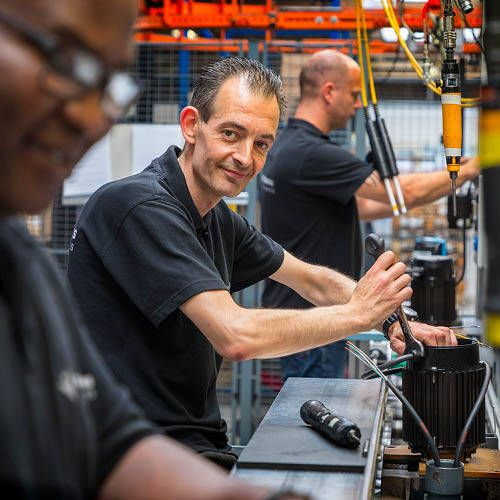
x,y
175,38
168,64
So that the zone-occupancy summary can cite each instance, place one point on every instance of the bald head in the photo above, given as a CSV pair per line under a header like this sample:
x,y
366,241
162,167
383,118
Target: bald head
x,y
324,66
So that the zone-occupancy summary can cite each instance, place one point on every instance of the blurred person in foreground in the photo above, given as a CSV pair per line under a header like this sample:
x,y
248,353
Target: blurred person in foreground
x,y
68,429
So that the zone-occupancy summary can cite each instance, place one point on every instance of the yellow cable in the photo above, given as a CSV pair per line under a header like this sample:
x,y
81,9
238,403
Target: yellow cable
x,y
467,338
416,66
368,58
395,27
360,54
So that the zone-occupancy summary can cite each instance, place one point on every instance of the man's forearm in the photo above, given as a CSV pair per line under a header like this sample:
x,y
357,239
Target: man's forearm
x,y
317,284
327,287
240,334
159,468
421,188
418,189
370,210
271,333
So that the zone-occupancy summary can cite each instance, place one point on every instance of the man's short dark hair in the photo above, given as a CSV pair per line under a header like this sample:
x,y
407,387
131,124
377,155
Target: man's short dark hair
x,y
259,79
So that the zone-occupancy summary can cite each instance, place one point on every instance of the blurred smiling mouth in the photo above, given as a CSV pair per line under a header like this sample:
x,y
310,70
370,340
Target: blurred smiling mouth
x,y
235,174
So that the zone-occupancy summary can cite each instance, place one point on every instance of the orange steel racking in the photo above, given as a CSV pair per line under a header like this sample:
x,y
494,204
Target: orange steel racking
x,y
233,14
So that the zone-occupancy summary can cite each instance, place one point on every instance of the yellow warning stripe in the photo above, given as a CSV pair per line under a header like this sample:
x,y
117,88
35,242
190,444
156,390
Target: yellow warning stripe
x,y
489,138
493,329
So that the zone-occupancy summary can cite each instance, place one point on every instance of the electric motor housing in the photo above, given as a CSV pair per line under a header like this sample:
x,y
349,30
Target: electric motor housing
x,y
443,387
433,284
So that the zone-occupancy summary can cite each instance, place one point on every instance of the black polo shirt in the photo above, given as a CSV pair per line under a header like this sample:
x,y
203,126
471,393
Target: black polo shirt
x,y
64,420
140,249
308,205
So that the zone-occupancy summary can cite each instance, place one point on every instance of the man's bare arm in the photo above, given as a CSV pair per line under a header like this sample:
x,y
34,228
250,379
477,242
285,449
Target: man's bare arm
x,y
317,284
239,333
159,468
370,210
418,189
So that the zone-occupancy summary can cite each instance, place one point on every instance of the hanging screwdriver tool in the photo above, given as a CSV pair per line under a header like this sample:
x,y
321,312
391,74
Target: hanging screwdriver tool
x,y
451,98
340,430
374,246
384,159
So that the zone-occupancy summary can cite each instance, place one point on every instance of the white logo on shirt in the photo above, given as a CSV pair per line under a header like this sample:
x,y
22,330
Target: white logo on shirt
x,y
77,385
73,237
267,183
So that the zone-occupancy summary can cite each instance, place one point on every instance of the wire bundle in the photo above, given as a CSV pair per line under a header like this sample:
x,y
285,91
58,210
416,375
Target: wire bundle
x,y
358,353
384,158
387,367
365,359
391,16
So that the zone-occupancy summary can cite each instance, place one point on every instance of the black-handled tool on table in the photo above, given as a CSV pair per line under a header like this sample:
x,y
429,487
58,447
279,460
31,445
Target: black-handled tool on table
x,y
340,430
375,246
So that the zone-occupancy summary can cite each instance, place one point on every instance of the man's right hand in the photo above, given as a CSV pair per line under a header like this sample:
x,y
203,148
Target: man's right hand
x,y
469,168
380,291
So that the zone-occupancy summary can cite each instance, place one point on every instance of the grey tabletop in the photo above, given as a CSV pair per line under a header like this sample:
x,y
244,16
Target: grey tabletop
x,y
285,452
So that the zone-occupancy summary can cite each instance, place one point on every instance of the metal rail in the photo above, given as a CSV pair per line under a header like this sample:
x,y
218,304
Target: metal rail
x,y
374,450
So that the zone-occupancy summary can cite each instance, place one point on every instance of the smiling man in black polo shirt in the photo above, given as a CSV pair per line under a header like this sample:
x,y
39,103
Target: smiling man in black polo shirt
x,y
155,256
314,192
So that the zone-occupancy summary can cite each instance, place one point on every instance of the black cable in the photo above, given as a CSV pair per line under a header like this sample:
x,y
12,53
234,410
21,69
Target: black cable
x,y
401,15
395,361
420,423
464,19
464,240
391,371
418,420
464,229
393,66
475,409
391,362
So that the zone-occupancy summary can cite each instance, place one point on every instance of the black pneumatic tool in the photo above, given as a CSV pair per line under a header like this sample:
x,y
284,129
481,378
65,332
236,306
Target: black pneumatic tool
x,y
374,245
340,430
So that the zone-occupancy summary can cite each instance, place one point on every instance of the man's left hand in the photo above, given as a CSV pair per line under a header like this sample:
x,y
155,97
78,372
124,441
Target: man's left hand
x,y
427,334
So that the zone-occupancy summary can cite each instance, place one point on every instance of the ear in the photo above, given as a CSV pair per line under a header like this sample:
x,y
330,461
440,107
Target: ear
x,y
328,91
189,122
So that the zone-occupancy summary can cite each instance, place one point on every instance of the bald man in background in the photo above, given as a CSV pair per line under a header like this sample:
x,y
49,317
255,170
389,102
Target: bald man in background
x,y
314,192
69,430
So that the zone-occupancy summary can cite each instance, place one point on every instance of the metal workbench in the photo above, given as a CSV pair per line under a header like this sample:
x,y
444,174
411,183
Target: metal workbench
x,y
285,453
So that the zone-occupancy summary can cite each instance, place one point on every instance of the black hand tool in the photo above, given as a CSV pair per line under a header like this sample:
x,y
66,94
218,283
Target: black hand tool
x,y
340,430
374,245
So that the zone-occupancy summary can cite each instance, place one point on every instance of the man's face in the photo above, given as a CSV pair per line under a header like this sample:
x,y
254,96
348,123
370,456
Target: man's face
x,y
43,137
231,148
346,99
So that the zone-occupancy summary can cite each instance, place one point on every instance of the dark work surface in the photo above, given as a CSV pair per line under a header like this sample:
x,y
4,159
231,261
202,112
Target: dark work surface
x,y
284,441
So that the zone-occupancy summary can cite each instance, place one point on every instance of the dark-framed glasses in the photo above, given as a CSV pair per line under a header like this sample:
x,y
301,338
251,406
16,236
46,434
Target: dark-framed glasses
x,y
72,72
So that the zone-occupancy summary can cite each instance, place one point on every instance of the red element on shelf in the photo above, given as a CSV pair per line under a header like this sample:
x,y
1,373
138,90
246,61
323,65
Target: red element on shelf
x,y
233,14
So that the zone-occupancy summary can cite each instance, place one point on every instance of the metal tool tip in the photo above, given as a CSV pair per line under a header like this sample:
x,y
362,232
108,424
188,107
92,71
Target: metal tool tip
x,y
454,196
351,436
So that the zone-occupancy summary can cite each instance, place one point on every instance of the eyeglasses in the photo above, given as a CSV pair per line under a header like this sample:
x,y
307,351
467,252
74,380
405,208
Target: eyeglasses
x,y
72,72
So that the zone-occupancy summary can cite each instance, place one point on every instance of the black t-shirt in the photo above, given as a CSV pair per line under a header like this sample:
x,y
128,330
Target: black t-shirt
x,y
140,250
64,420
308,205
